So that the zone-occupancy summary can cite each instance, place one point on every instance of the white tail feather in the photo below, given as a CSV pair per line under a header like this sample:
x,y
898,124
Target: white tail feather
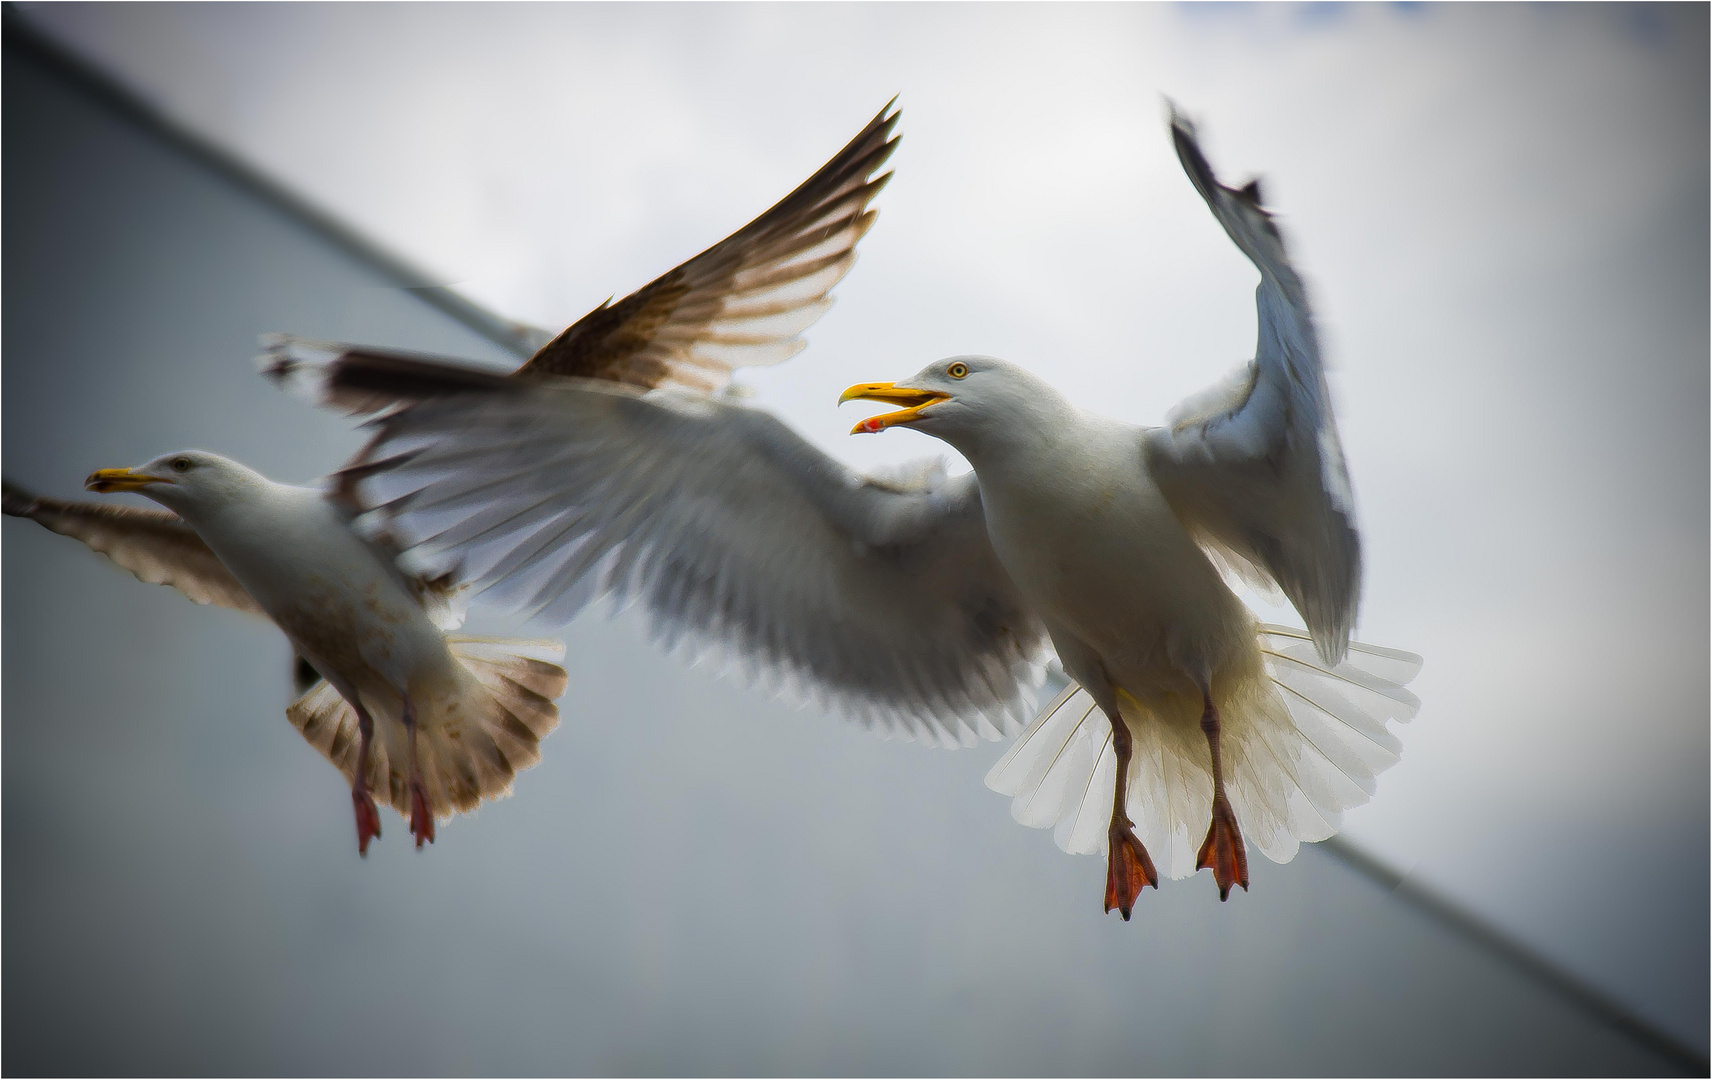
x,y
1300,749
471,741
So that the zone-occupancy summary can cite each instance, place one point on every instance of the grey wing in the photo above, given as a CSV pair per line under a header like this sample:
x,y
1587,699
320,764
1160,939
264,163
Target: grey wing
x,y
1254,465
884,600
154,545
744,301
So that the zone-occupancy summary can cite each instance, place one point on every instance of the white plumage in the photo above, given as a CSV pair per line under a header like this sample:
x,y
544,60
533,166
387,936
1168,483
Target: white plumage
x,y
452,720
883,598
1327,750
929,605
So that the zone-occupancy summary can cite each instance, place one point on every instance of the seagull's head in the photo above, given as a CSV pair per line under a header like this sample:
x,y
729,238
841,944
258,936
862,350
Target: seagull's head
x,y
965,400
184,480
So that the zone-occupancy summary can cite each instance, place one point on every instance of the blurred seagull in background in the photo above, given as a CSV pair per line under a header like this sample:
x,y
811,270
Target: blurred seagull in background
x,y
926,603
458,717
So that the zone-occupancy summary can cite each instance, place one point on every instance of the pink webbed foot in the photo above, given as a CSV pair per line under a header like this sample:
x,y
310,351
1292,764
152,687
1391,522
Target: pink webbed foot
x,y
1222,851
421,819
1128,869
368,819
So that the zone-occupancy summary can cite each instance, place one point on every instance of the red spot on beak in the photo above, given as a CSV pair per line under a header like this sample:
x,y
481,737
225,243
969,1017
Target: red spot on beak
x,y
872,424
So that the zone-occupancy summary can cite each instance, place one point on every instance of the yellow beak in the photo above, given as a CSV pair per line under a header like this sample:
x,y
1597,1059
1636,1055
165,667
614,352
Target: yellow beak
x,y
892,394
108,481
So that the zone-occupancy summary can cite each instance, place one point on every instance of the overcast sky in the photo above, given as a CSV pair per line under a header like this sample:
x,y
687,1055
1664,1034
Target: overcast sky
x,y
1501,213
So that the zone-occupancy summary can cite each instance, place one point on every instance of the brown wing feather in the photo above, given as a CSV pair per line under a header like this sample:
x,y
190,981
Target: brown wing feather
x,y
744,301
156,546
610,342
693,324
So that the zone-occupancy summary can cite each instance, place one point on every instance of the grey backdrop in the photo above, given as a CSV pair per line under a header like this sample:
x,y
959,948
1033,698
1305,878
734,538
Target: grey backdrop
x,y
696,879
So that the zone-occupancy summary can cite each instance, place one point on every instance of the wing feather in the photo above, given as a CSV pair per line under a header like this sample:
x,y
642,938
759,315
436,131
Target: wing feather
x,y
743,302
1254,465
735,535
155,546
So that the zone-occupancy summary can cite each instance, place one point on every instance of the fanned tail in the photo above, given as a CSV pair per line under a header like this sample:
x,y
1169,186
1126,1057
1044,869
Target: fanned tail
x,y
471,743
1301,746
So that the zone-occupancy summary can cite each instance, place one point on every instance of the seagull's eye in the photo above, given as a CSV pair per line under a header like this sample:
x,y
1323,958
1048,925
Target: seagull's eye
x,y
180,464
957,370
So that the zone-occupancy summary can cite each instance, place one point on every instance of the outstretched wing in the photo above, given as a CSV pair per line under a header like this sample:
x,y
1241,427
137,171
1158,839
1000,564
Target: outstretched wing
x,y
745,301
1254,465
154,545
737,537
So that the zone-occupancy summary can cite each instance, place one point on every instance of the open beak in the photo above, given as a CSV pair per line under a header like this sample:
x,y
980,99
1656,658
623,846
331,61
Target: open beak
x,y
891,394
108,481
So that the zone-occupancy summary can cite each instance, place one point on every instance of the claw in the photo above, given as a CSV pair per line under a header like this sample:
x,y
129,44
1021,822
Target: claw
x,y
368,819
1128,869
1222,851
421,821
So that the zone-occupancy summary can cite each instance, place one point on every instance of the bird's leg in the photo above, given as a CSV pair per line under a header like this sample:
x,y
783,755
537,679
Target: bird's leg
x,y
1222,851
368,818
1127,866
421,819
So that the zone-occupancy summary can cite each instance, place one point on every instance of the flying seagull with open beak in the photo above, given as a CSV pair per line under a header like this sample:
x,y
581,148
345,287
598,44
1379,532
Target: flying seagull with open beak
x,y
927,603
750,543
436,723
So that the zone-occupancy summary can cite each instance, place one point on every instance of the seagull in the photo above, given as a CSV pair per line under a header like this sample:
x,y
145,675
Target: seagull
x,y
458,716
926,603
949,655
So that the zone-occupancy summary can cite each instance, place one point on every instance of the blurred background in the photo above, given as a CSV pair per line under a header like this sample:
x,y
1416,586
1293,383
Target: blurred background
x,y
1502,215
